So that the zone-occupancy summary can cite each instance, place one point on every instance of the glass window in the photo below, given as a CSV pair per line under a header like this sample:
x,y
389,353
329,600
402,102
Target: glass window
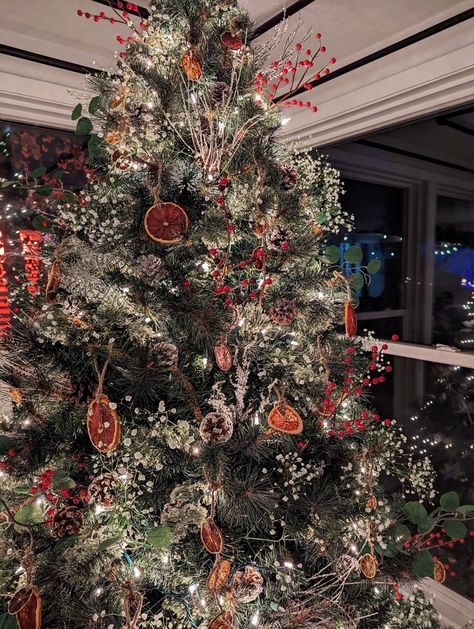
x,y
25,214
379,227
453,309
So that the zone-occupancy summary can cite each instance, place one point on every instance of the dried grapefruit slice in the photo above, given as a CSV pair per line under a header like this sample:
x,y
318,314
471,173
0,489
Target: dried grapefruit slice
x,y
166,223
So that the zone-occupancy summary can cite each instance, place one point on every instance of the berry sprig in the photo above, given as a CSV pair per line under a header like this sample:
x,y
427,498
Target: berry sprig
x,y
286,77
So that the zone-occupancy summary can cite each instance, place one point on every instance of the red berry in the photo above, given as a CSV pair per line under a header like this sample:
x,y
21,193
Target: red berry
x,y
298,47
318,35
87,15
187,283
3,465
215,274
224,181
253,295
80,13
323,48
284,245
452,574
268,281
388,369
34,490
231,228
315,109
96,18
395,337
65,493
332,60
11,452
229,301
372,366
213,252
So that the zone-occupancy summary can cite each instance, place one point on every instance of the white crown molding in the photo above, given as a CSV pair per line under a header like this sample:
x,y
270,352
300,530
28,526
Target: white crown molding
x,y
433,75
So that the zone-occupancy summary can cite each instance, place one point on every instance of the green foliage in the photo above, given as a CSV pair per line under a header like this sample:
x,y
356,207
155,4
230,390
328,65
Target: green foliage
x,y
415,512
38,172
31,513
44,190
8,621
94,145
84,126
95,104
450,501
159,536
353,255
76,112
455,529
423,564
374,266
6,443
357,281
332,254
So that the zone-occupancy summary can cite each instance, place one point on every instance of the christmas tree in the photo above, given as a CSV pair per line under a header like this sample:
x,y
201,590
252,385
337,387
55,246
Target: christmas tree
x,y
193,443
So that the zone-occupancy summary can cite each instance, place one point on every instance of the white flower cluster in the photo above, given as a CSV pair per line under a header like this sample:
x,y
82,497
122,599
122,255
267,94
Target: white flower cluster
x,y
297,473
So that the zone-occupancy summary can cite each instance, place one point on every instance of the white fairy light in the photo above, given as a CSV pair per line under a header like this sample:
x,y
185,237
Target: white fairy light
x,y
256,419
98,591
204,362
285,121
241,323
193,587
255,618
288,564
19,570
99,509
137,572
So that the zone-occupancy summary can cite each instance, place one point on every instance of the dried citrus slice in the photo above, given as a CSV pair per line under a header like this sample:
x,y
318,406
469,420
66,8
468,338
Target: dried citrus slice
x,y
166,223
284,418
231,40
350,320
192,66
103,425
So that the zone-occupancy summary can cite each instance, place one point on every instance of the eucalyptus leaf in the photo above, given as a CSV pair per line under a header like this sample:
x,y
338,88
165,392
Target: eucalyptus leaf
x,y
94,144
84,126
467,510
374,266
450,501
160,536
108,543
415,512
38,172
69,197
357,281
44,190
321,218
62,480
7,621
31,513
76,112
332,254
455,529
423,564
401,534
353,255
425,525
95,104
22,489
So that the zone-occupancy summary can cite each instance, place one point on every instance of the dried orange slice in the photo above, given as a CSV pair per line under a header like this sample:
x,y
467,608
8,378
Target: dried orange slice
x,y
54,281
103,425
350,320
218,576
212,537
368,566
26,605
231,40
223,356
191,64
166,223
439,573
284,418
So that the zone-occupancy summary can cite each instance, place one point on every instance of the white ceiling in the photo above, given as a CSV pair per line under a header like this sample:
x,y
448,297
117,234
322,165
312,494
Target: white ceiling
x,y
351,28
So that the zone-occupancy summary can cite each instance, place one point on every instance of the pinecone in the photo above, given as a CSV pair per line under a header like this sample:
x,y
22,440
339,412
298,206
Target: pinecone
x,y
289,177
83,390
220,94
283,312
351,616
277,237
67,521
248,585
346,563
216,428
101,490
150,268
164,354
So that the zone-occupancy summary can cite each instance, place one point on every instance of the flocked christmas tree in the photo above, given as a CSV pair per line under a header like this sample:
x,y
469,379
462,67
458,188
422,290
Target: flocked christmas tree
x,y
193,443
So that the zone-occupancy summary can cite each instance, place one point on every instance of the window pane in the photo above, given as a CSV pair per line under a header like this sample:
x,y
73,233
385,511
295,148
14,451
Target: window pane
x,y
379,224
435,405
454,274
382,328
